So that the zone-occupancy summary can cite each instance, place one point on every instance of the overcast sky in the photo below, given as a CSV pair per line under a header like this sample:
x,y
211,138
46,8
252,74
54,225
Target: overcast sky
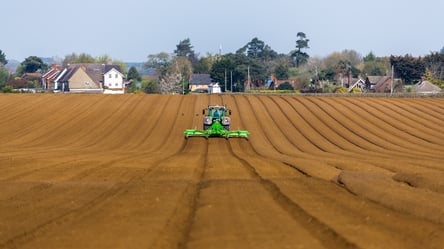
x,y
130,30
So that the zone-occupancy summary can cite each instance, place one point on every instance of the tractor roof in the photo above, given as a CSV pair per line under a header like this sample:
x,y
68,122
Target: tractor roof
x,y
216,107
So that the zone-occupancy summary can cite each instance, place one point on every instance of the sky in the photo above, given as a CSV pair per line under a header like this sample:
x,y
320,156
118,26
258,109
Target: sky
x,y
131,30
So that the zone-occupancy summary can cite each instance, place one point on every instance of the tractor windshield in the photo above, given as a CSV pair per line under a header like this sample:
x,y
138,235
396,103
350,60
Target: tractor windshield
x,y
217,112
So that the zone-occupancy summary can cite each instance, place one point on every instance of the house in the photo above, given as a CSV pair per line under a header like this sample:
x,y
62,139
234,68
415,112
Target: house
x,y
426,87
113,80
200,82
47,79
360,83
31,76
379,84
90,78
214,88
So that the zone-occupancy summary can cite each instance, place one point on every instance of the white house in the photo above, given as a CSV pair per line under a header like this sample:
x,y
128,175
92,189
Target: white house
x,y
214,88
90,78
113,81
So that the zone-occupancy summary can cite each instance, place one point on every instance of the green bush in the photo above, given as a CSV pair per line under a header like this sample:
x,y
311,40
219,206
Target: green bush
x,y
285,86
7,89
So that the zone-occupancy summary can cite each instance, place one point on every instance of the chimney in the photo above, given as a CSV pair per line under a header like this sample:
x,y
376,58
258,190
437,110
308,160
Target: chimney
x,y
110,62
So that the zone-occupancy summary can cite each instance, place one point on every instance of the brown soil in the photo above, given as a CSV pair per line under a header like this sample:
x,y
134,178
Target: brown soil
x,y
98,171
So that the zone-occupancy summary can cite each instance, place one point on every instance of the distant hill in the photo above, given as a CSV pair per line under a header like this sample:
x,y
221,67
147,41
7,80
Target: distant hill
x,y
51,60
140,69
12,65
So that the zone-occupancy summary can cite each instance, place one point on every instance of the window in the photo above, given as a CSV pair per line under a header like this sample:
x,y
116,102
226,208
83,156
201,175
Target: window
x,y
109,76
117,84
116,76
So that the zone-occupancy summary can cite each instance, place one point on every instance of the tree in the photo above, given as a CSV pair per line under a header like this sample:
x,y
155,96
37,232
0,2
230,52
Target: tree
x,y
298,55
408,68
182,65
150,86
375,66
133,74
103,59
370,57
434,63
236,67
327,74
257,49
350,56
204,64
160,62
250,67
3,60
171,83
185,49
32,64
256,57
4,76
121,64
340,64
225,65
4,73
282,71
79,59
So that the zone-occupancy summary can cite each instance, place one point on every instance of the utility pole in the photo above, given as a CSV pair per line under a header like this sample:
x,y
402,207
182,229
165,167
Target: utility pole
x,y
393,80
231,80
248,79
225,80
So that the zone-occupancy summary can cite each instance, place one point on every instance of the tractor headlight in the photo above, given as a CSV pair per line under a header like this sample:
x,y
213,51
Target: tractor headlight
x,y
207,121
226,121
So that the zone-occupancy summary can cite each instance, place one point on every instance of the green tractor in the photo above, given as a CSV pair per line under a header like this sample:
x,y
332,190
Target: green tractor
x,y
216,124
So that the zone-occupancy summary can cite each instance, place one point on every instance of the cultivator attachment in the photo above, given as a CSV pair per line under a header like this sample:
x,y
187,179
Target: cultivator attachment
x,y
215,130
216,124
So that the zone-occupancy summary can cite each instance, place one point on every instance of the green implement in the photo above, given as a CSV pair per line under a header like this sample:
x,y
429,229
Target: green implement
x,y
216,124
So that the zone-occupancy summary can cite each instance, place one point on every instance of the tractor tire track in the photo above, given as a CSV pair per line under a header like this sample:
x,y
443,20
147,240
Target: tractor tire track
x,y
82,212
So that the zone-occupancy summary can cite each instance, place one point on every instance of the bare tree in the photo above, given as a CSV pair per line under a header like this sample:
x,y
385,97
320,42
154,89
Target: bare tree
x,y
171,83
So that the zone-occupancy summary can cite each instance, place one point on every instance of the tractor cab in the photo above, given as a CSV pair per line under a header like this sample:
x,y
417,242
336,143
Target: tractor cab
x,y
217,112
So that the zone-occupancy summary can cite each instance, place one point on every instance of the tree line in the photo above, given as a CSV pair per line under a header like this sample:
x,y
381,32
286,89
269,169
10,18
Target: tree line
x,y
256,65
255,62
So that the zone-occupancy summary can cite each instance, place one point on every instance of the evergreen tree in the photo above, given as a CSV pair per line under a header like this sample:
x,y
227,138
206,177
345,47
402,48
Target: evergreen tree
x,y
408,68
3,60
133,74
298,55
32,64
185,49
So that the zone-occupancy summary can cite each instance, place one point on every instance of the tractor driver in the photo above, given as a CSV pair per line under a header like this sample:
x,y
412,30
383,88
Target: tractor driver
x,y
216,113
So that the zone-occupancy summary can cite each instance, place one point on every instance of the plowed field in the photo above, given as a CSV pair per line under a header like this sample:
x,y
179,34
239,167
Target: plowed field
x,y
100,171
